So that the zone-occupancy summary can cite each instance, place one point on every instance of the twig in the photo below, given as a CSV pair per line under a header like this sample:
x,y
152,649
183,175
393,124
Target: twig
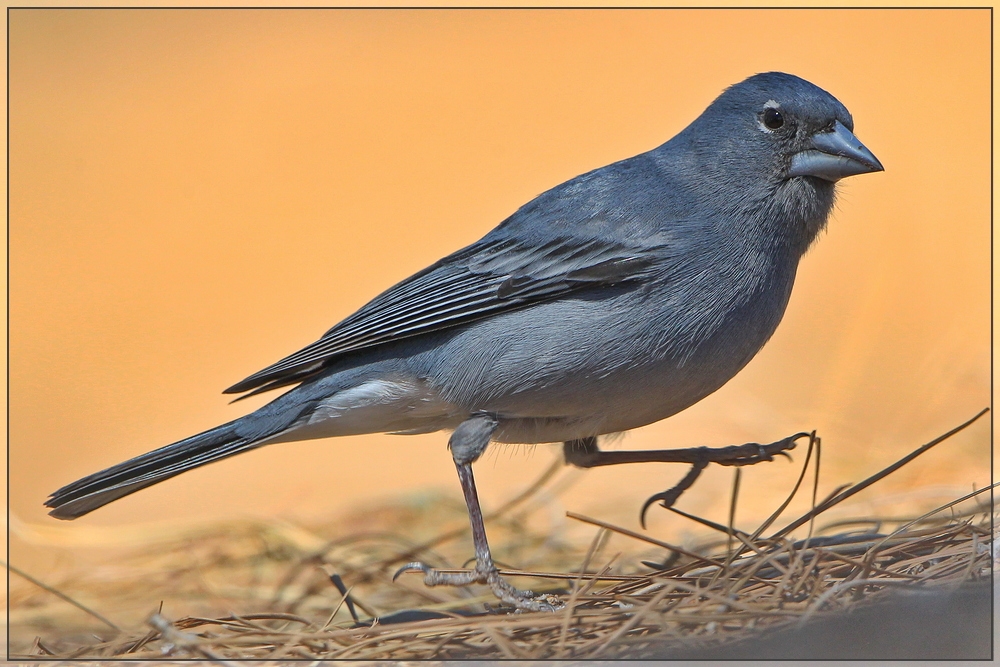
x,y
814,442
571,603
185,640
731,527
932,513
60,595
861,486
842,586
644,538
708,523
632,622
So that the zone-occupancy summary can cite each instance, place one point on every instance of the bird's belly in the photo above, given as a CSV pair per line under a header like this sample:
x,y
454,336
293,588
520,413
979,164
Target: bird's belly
x,y
617,402
601,394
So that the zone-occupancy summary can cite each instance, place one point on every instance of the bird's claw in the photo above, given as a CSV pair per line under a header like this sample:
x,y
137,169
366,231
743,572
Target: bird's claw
x,y
520,600
767,452
414,566
741,455
434,577
666,498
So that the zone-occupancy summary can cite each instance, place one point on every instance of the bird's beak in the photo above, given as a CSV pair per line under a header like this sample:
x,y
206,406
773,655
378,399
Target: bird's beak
x,y
833,155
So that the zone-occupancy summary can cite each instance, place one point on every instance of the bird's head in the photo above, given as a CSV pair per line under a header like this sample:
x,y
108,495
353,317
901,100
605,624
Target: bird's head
x,y
777,138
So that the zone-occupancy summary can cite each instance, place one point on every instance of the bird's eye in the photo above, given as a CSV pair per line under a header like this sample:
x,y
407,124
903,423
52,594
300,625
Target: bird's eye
x,y
773,118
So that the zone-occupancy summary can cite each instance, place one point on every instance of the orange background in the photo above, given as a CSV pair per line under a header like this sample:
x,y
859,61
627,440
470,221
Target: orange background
x,y
195,194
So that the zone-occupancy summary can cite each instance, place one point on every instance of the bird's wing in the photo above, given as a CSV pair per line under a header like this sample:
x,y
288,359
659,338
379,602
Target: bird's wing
x,y
484,279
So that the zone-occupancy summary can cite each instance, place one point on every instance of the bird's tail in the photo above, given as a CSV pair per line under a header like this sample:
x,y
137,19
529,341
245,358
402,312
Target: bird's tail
x,y
87,494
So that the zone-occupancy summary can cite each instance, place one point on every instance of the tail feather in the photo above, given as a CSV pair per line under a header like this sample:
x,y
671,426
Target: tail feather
x,y
87,494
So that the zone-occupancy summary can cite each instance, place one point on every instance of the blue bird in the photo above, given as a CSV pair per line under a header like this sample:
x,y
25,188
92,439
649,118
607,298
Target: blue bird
x,y
609,302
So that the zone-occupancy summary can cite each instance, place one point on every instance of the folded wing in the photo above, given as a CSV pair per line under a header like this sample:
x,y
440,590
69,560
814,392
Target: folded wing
x,y
482,280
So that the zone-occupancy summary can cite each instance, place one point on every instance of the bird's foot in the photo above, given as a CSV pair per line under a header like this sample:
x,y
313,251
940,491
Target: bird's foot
x,y
521,600
736,455
752,452
524,600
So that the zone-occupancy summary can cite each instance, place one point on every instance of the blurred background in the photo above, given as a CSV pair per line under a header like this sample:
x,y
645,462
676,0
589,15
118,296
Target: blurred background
x,y
195,194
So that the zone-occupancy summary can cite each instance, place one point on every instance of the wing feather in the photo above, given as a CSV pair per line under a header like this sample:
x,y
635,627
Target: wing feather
x,y
484,279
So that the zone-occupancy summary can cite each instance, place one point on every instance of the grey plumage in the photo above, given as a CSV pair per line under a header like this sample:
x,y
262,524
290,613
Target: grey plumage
x,y
101,488
611,301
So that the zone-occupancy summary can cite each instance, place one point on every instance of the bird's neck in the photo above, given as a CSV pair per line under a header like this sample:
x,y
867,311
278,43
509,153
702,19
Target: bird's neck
x,y
771,214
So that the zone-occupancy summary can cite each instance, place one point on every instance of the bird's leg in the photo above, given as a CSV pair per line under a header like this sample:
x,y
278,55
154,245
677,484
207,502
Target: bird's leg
x,y
467,443
585,453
